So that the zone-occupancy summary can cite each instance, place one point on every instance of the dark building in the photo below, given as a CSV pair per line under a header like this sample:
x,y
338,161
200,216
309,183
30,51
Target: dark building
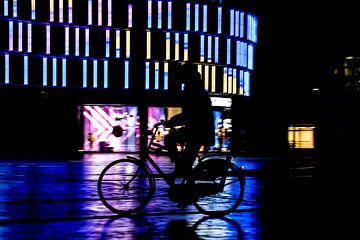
x,y
72,70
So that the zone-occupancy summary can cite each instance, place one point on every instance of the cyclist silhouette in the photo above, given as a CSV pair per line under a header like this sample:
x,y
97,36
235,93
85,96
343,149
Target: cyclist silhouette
x,y
196,119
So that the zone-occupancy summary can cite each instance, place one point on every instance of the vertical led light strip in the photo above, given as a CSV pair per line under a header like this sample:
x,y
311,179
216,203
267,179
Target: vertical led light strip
x,y
106,73
44,71
230,72
99,12
166,76
246,83
202,48
149,14
209,52
77,41
216,50
234,88
200,69
63,81
147,75
206,77
126,84
186,47
84,74
29,37
242,24
225,80
243,54
54,72
128,44
219,20
117,44
238,53
169,19
228,51
196,17
7,69
177,42
188,16
48,39
6,8
70,11
205,16
11,36
130,16
159,18
109,13
95,74
241,82
148,44
20,36
14,8
33,9
61,11
237,23
167,56
107,43
213,78
250,54
87,42
67,39
51,10
89,12
26,70
156,75
231,22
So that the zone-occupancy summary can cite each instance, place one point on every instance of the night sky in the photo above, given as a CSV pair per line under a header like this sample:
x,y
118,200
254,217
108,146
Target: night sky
x,y
299,41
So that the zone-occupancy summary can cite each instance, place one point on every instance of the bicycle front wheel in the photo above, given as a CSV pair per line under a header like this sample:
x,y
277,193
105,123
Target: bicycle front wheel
x,y
125,186
218,194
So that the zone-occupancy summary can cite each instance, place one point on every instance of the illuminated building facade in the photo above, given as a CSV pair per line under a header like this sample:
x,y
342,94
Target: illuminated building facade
x,y
125,47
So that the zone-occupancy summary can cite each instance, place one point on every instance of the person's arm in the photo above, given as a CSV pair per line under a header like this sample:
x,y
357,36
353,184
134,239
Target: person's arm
x,y
176,120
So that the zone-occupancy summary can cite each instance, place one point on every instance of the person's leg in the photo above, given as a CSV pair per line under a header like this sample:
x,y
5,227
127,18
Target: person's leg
x,y
171,144
184,165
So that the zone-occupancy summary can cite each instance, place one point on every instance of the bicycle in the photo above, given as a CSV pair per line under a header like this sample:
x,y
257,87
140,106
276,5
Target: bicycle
x,y
216,185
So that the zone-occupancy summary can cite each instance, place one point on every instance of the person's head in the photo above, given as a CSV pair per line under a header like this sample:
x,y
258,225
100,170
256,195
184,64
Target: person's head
x,y
189,73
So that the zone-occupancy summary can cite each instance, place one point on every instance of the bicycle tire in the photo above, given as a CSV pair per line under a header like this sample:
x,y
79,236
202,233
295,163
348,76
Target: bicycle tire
x,y
125,186
214,198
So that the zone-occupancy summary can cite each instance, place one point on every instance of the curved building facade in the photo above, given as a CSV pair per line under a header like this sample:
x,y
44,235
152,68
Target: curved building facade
x,y
112,50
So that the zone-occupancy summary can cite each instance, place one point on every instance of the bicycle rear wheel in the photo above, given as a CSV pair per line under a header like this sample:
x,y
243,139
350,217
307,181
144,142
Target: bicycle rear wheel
x,y
125,186
218,193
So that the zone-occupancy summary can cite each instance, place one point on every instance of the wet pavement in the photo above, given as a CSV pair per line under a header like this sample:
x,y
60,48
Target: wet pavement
x,y
57,199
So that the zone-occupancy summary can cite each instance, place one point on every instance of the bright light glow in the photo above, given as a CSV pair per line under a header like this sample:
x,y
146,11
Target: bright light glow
x,y
177,42
251,28
159,22
301,136
67,34
242,24
209,52
128,44
44,71
130,14
237,23
84,73
166,76
186,47
7,69
77,41
228,51
206,77
246,83
250,57
243,54
205,18
148,44
11,36
230,72
225,80
232,22
26,70
54,72
20,36
202,48
89,12
33,10
117,44
213,78
106,71
109,12
234,84
216,50
99,12
221,102
14,8
51,10
149,14
107,43
6,8
238,53
188,16
70,11
29,37
219,20
147,75
63,82
61,11
169,20
196,17
95,74
167,46
241,82
87,42
126,75
156,75
48,39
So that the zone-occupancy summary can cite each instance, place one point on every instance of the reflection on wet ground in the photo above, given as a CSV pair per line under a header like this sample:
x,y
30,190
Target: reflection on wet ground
x,y
53,199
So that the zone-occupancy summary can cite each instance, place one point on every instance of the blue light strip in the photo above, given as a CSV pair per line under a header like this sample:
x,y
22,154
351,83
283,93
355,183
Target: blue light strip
x,y
107,44
84,73
14,8
147,75
87,42
77,41
232,22
29,38
202,48
109,12
126,84
63,82
33,10
205,16
169,23
26,70
216,53
250,60
7,69
6,8
67,34
166,76
219,20
156,75
196,17
89,12
54,72
48,39
159,20
238,53
188,16
246,83
11,36
106,73
20,38
209,53
242,24
44,71
243,53
149,14
228,51
99,12
237,23
95,74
